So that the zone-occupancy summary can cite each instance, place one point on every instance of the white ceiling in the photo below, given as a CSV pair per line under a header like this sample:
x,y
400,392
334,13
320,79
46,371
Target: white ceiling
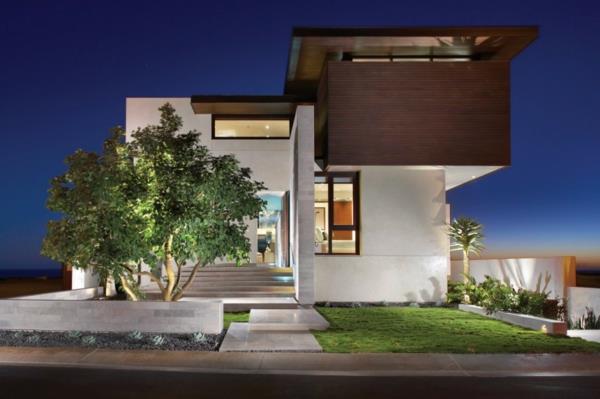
x,y
455,175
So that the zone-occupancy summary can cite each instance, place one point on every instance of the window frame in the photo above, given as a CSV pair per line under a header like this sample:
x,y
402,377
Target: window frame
x,y
241,117
355,226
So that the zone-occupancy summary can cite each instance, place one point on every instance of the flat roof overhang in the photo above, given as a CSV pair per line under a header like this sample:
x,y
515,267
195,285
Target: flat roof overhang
x,y
455,175
311,47
246,105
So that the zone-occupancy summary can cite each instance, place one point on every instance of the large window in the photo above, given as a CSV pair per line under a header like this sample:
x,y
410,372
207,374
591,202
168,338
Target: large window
x,y
336,213
272,230
251,127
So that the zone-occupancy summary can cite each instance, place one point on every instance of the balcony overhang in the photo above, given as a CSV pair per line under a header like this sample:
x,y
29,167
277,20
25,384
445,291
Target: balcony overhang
x,y
312,47
245,105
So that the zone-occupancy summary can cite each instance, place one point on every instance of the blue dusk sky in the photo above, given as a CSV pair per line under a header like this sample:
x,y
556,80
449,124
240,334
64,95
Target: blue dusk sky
x,y
67,66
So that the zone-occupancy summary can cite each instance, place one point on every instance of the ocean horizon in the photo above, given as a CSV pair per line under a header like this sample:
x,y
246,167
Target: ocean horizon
x,y
30,272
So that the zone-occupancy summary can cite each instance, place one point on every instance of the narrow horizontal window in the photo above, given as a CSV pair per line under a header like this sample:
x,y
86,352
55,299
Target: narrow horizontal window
x,y
251,128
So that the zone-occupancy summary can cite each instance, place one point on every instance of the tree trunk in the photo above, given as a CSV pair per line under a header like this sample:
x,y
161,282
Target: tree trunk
x,y
169,269
466,266
130,293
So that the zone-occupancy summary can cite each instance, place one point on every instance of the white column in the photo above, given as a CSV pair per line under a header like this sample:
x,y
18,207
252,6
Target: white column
x,y
302,199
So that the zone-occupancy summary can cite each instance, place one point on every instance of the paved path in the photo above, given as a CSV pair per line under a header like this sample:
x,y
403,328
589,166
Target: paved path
x,y
385,364
64,383
275,330
588,335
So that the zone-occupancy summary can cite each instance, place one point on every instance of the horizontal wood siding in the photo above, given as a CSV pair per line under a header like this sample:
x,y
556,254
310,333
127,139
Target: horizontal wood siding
x,y
418,113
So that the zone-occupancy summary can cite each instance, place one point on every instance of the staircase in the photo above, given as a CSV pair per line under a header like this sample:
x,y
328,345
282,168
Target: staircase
x,y
241,287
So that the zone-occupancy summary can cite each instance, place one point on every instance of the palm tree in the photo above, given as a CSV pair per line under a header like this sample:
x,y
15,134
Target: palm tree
x,y
466,236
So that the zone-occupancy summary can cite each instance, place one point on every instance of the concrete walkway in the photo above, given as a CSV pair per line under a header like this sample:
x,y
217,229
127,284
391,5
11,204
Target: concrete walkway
x,y
588,335
372,364
275,330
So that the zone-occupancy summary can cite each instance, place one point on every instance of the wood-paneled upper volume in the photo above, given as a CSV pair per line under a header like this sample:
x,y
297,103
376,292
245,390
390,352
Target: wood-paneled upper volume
x,y
414,113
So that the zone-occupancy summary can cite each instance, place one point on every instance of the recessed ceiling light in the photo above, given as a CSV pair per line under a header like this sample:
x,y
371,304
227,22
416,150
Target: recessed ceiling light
x,y
267,127
472,177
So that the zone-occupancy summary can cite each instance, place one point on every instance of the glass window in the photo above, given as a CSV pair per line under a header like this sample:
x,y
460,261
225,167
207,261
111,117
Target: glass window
x,y
270,231
251,128
336,214
321,216
343,242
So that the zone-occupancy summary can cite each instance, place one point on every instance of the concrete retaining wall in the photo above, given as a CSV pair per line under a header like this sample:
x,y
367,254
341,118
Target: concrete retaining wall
x,y
547,326
523,272
68,295
580,298
107,316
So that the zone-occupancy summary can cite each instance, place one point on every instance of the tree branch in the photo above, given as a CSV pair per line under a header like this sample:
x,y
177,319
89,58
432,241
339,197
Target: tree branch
x,y
133,272
127,288
188,282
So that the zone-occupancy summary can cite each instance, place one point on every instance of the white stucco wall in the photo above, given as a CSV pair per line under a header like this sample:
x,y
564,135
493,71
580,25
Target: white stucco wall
x,y
524,272
83,279
403,244
268,159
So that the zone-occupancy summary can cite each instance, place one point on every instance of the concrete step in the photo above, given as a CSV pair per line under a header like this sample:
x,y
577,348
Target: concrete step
x,y
240,277
230,294
260,288
232,304
243,269
240,338
286,320
241,283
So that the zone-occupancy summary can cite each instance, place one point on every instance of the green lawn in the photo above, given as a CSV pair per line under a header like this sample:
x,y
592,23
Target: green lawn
x,y
230,317
403,329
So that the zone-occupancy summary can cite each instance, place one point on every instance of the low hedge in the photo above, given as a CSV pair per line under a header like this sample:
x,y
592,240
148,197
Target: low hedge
x,y
494,295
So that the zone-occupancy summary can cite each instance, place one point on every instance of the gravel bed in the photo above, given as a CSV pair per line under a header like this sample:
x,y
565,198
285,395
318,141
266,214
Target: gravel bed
x,y
112,340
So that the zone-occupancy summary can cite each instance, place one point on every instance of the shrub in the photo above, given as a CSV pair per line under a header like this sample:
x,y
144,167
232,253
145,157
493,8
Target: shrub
x,y
158,340
494,295
135,335
589,321
88,340
198,337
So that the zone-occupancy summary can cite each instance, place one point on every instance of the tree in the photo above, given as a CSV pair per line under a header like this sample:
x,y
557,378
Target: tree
x,y
195,204
162,200
99,225
466,235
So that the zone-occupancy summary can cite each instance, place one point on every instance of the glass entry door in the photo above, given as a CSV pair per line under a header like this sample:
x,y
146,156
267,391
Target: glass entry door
x,y
272,232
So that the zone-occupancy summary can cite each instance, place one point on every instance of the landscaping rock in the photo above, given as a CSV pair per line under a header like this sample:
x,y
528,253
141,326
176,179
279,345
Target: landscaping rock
x,y
124,340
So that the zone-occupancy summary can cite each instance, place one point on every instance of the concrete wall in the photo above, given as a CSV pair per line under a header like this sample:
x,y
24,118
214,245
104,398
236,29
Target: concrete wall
x,y
544,325
403,244
524,272
105,316
302,197
579,298
83,279
78,294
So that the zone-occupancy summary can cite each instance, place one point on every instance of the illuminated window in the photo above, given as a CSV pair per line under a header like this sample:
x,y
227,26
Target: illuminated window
x,y
336,213
255,128
410,59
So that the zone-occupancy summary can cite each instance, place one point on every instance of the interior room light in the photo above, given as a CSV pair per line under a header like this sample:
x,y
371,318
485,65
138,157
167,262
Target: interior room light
x,y
267,127
472,177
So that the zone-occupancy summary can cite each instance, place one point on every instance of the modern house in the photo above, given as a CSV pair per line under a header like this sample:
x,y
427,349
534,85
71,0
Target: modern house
x,y
373,127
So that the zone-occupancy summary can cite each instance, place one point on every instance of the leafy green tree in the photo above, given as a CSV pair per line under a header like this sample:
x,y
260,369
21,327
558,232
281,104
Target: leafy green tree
x,y
195,203
99,225
162,200
466,236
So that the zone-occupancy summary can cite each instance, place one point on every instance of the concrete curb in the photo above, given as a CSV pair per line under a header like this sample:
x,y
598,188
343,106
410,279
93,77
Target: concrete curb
x,y
324,364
